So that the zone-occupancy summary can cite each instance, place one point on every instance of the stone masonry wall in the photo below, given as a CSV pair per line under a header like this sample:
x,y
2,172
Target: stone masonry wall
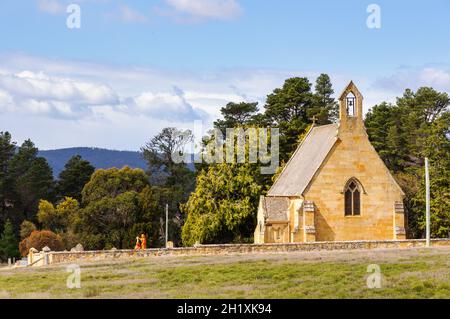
x,y
71,257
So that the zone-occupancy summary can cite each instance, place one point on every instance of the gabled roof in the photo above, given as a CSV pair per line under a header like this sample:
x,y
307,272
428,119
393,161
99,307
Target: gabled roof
x,y
351,87
305,161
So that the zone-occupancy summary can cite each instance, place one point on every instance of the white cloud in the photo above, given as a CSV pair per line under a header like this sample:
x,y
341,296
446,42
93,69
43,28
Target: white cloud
x,y
40,85
37,107
128,14
142,91
164,105
38,93
50,6
207,9
6,101
413,78
203,93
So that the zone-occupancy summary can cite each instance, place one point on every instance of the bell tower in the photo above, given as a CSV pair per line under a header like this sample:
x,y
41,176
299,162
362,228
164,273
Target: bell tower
x,y
350,108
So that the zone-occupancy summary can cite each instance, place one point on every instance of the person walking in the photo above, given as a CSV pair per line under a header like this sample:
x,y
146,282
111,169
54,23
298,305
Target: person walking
x,y
143,241
138,244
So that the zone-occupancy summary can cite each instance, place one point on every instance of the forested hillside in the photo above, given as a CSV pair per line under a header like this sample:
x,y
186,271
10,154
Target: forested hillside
x,y
98,157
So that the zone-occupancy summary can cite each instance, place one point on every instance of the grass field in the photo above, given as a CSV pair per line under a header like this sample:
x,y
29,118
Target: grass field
x,y
406,273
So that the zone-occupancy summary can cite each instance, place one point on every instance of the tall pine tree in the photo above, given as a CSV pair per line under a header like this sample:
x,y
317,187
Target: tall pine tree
x,y
77,172
286,108
236,115
324,107
33,180
7,149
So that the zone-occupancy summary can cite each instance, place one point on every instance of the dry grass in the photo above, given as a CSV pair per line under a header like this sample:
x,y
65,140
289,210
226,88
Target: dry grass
x,y
406,273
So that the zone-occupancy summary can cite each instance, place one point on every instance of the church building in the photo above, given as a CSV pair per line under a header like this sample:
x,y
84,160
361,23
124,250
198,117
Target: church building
x,y
335,187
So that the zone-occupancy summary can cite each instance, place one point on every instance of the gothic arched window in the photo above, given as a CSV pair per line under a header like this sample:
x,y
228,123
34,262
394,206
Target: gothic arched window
x,y
352,193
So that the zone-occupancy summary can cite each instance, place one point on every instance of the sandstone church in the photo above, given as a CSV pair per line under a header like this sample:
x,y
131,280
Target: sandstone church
x,y
335,187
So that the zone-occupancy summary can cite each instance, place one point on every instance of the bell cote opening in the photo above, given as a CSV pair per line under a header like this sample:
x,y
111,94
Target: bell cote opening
x,y
350,103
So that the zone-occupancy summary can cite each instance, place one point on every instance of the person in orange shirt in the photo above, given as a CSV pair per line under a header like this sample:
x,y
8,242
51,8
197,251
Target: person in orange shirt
x,y
143,242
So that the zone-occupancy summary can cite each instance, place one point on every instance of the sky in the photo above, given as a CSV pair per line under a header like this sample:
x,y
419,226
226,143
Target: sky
x,y
134,67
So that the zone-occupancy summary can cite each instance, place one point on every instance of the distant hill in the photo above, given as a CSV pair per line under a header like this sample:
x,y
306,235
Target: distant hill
x,y
98,157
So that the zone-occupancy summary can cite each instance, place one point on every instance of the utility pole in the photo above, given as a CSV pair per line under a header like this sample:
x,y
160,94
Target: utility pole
x,y
427,187
167,222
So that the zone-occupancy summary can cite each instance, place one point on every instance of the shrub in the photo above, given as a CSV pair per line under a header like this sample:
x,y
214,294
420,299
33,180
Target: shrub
x,y
40,239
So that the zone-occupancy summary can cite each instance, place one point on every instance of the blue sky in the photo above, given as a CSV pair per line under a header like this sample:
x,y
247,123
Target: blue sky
x,y
136,66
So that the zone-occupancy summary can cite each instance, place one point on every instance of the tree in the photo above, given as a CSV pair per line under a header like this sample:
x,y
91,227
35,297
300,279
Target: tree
x,y
385,134
293,107
47,215
116,208
291,102
113,182
77,172
62,219
159,153
8,243
173,181
150,205
287,109
417,126
236,115
7,149
223,206
325,109
33,179
436,146
58,219
108,222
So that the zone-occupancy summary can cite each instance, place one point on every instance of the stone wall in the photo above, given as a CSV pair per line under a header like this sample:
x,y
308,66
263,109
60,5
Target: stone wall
x,y
79,256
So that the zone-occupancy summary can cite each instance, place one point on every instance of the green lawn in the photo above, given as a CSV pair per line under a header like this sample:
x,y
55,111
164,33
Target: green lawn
x,y
406,273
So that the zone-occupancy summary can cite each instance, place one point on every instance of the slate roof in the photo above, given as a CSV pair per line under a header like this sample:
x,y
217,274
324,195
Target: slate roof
x,y
305,161
275,208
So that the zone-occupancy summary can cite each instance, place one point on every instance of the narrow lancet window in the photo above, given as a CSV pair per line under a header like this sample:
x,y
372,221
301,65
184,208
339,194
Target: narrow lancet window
x,y
352,199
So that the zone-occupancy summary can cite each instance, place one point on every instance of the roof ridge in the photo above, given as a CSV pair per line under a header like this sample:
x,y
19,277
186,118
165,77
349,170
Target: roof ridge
x,y
319,126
